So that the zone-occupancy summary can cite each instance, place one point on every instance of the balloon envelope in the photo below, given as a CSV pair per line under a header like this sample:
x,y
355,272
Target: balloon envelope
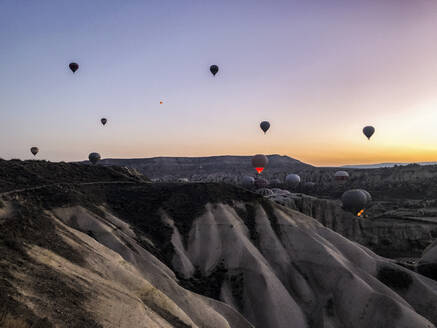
x,y
341,176
94,157
34,150
74,67
354,200
264,125
292,179
104,121
368,196
368,131
214,69
259,162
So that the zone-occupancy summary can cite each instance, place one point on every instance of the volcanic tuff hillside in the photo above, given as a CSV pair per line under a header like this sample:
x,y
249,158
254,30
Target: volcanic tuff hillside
x,y
220,166
397,229
428,263
400,182
126,253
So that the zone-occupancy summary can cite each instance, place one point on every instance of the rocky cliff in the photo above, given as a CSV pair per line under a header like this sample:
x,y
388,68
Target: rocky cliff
x,y
400,229
212,169
135,254
399,182
427,265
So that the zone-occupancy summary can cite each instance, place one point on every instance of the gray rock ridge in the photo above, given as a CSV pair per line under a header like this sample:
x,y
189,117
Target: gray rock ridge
x,y
255,263
388,229
126,253
213,168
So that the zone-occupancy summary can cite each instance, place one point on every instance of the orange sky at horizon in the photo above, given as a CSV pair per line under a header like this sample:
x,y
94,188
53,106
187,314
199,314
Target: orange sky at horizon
x,y
318,71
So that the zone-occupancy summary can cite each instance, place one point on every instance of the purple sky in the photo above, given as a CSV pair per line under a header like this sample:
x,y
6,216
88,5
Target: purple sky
x,y
317,70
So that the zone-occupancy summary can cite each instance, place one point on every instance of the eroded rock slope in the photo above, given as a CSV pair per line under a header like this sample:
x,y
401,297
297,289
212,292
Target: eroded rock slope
x,y
191,255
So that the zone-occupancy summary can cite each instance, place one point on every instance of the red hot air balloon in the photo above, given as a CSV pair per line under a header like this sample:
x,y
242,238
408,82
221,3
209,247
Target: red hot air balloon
x,y
259,162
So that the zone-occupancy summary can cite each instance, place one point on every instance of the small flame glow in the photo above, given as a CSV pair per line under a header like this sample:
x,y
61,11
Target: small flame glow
x,y
259,169
360,213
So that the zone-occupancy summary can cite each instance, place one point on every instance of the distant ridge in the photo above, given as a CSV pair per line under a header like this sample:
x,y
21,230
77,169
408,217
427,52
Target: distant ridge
x,y
226,165
382,165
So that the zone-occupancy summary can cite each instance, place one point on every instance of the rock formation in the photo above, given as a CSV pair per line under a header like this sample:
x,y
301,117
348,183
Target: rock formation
x,y
136,254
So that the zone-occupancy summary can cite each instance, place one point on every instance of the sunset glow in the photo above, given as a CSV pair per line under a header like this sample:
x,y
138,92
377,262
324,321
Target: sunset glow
x,y
317,72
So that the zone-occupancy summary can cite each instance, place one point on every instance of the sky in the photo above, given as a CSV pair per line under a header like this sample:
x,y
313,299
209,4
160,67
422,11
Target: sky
x,y
318,70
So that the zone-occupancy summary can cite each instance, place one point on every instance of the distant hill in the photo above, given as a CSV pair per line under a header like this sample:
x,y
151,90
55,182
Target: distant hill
x,y
223,166
381,165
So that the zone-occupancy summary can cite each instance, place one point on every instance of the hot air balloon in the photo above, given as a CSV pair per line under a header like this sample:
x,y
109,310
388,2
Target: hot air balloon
x,y
74,67
94,158
368,131
341,176
259,162
354,200
368,196
292,179
214,69
161,102
264,126
104,121
247,181
34,150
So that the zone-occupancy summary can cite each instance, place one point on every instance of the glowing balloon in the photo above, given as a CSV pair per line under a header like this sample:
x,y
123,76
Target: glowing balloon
x,y
259,162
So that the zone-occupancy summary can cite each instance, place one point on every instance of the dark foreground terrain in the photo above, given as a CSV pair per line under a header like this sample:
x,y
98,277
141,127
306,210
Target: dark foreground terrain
x,y
84,246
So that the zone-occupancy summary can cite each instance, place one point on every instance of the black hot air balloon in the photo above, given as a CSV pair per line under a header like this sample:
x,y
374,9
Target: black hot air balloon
x,y
264,125
34,150
104,121
74,67
94,158
214,69
368,131
355,200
